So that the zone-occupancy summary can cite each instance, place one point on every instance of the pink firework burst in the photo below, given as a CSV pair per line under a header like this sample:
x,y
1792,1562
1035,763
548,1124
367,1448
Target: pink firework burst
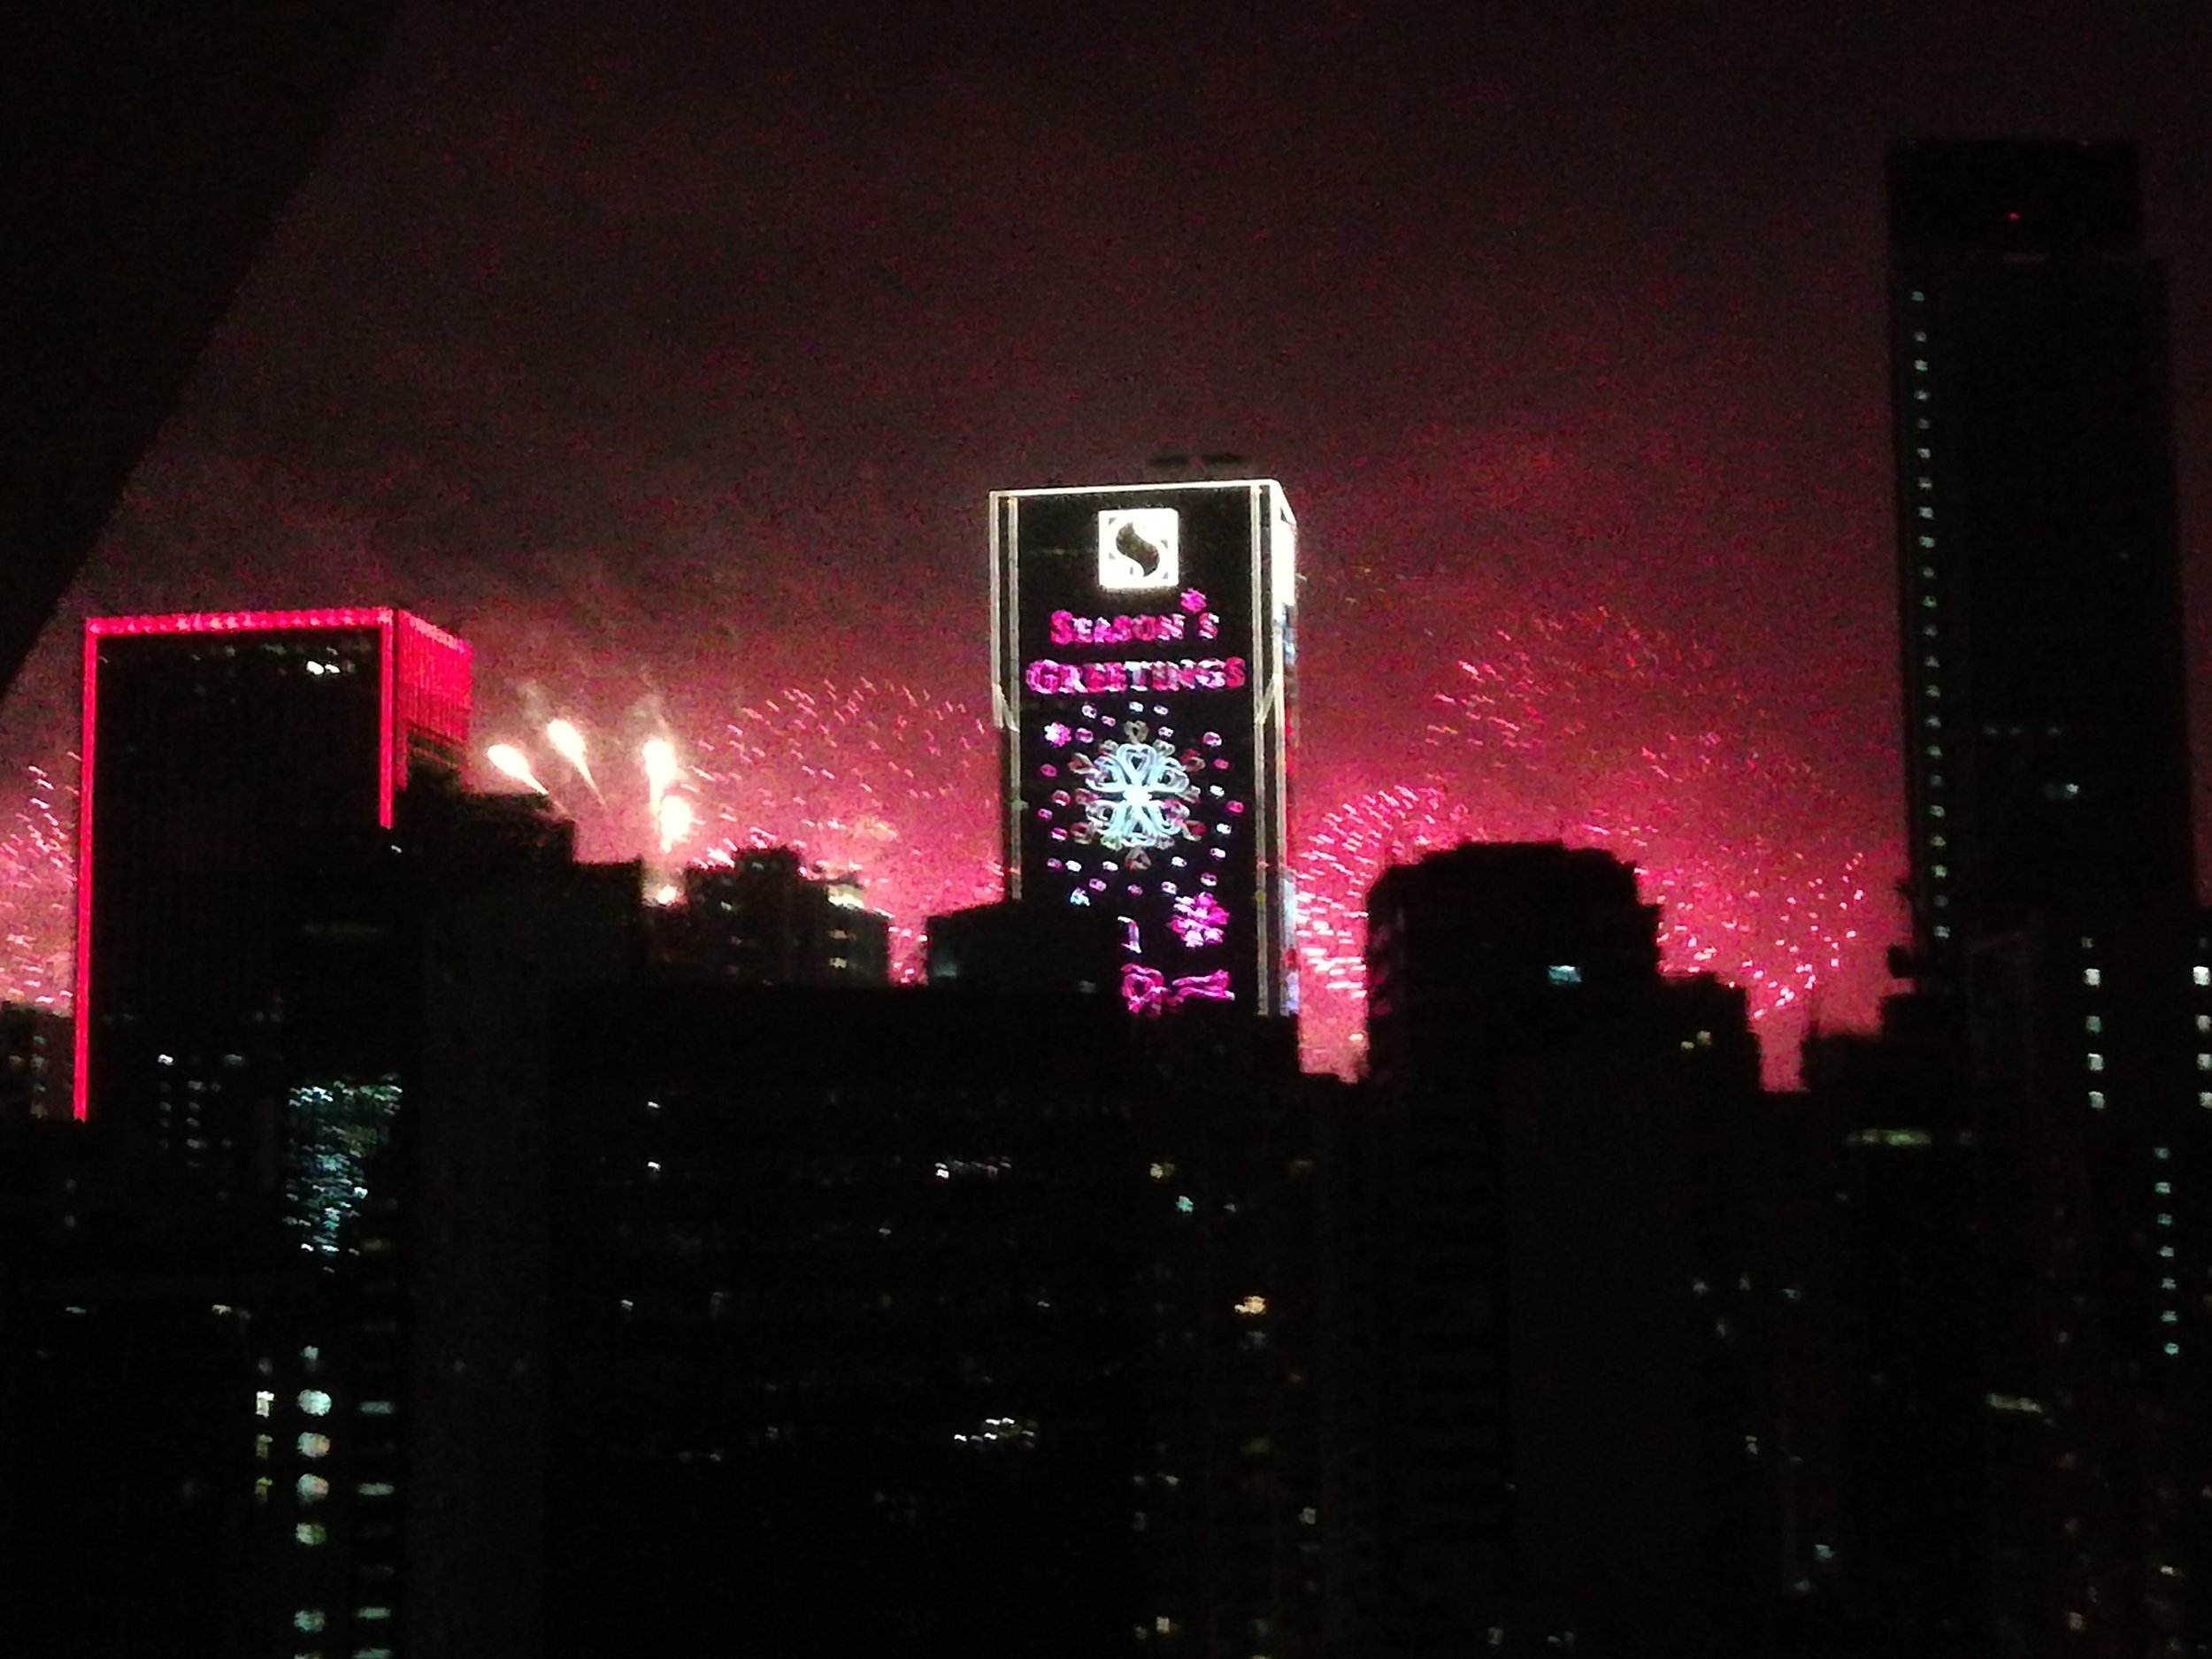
x,y
37,927
877,778
1585,729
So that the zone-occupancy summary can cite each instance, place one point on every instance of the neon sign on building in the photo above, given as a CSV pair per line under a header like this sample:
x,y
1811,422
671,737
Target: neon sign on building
x,y
1142,656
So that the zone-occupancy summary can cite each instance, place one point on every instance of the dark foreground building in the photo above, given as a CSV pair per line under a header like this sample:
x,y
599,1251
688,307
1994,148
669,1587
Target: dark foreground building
x,y
1545,1429
849,1300
2052,885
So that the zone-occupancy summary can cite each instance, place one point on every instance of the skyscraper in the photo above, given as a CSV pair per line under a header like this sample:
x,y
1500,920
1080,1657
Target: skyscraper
x,y
231,762
2052,880
1142,652
2046,730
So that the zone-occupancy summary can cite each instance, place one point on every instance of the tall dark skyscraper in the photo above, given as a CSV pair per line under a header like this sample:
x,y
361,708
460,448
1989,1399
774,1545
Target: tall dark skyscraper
x,y
2046,715
232,763
2052,880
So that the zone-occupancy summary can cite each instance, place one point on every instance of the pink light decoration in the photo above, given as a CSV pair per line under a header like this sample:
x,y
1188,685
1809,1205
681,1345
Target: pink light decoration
x,y
1200,918
1144,989
1205,987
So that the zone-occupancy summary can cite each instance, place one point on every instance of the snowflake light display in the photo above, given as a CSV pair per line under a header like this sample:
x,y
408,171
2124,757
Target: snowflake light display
x,y
1136,794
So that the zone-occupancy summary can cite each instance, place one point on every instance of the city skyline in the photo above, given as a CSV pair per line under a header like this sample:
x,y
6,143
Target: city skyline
x,y
1654,422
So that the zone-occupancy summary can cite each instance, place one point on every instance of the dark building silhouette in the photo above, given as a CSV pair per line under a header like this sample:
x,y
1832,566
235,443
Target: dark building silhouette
x,y
2051,881
234,766
2047,738
1546,1431
848,1294
1019,947
763,919
1893,1169
36,1053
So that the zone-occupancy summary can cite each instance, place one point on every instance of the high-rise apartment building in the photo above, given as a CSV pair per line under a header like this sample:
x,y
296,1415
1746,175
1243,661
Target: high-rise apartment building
x,y
1540,1398
2045,732
2052,880
232,763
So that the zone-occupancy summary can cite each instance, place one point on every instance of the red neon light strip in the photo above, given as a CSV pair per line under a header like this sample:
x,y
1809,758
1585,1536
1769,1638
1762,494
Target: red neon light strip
x,y
241,621
81,1021
386,717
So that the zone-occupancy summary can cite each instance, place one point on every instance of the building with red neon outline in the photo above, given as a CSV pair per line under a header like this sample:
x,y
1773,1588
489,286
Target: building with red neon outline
x,y
231,760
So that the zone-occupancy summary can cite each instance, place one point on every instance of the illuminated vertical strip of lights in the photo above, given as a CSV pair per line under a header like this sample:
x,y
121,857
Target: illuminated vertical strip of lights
x,y
1922,566
1005,679
81,1021
1283,610
388,759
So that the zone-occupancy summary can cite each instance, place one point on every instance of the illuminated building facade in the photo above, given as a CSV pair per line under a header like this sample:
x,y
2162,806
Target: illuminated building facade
x,y
231,762
1143,651
2052,880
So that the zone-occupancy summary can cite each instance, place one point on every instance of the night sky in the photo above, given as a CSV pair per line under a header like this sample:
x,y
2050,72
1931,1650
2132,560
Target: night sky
x,y
670,358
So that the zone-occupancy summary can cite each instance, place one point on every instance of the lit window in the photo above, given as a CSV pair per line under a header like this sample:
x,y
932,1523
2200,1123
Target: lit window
x,y
2204,1062
2096,1100
311,1533
1251,1307
263,1403
1564,973
2093,976
309,1618
2201,974
371,1614
311,1488
2094,1023
315,1402
376,1407
314,1445
376,1488
262,1445
2096,1062
261,1489
2173,1348
2164,1189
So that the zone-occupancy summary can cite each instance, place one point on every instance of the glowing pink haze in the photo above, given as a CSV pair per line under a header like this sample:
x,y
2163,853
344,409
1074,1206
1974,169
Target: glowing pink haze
x,y
1579,728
